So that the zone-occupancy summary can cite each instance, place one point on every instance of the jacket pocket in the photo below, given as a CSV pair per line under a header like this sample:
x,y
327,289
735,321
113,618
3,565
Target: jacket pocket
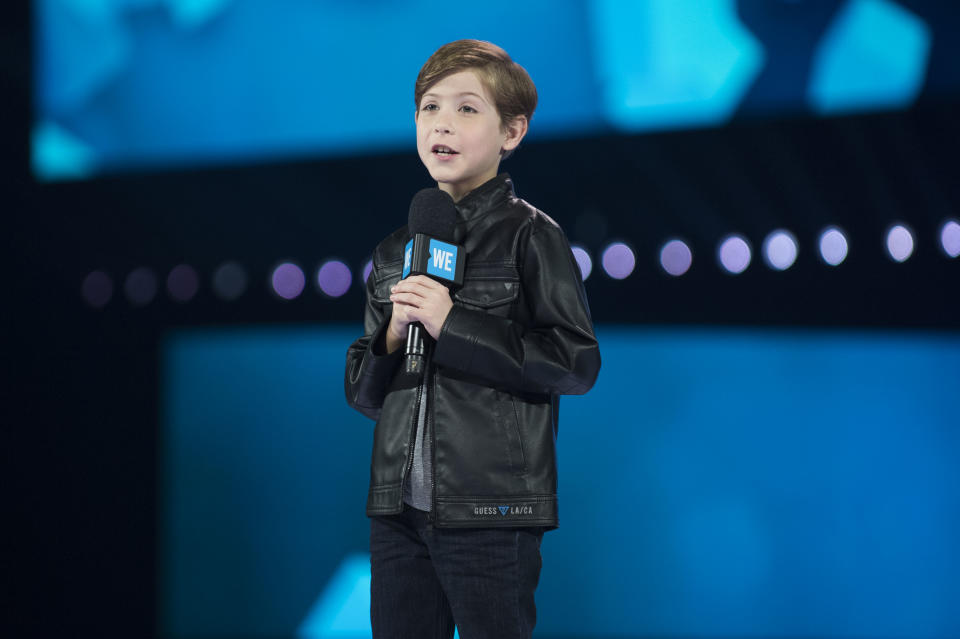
x,y
509,422
491,288
385,279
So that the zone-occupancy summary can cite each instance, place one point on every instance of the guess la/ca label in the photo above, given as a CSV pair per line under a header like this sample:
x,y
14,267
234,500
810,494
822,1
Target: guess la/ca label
x,y
504,511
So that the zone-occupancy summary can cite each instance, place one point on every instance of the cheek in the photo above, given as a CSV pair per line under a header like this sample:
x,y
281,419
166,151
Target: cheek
x,y
421,139
423,149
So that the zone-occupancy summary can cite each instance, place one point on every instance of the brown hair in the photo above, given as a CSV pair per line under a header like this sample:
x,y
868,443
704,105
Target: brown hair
x,y
508,83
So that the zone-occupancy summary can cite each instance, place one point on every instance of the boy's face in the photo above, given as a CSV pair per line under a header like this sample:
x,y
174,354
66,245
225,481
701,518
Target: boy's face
x,y
459,136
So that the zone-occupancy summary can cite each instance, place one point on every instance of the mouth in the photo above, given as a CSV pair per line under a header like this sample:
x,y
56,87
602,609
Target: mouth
x,y
444,151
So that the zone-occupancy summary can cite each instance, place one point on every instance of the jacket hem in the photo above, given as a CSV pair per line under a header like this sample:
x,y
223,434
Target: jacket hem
x,y
497,511
473,512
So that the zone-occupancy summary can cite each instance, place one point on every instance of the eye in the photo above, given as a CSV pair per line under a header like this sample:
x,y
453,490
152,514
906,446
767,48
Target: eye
x,y
429,107
466,108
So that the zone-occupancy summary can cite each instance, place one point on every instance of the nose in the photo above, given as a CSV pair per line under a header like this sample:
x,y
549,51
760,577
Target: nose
x,y
442,125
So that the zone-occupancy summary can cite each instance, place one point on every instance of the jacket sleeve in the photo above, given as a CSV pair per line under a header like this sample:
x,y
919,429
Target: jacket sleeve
x,y
369,369
556,354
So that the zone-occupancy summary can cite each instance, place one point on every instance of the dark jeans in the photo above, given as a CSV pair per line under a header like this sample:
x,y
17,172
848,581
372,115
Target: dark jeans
x,y
425,579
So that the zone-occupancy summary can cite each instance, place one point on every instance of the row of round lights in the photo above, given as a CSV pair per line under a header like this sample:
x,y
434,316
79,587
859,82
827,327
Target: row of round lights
x,y
334,277
779,250
229,282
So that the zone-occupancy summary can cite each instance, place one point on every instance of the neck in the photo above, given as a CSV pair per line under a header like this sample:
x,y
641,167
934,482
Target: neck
x,y
458,193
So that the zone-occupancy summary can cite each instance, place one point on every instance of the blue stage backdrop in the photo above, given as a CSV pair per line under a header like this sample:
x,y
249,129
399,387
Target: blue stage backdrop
x,y
715,483
133,84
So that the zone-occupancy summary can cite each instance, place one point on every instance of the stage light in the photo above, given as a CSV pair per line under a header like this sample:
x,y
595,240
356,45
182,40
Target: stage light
x,y
182,283
583,261
618,260
780,250
367,270
334,278
140,286
675,257
229,281
833,246
950,238
735,254
288,280
97,289
900,243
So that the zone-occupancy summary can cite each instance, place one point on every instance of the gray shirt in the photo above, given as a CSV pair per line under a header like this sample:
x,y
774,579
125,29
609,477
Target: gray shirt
x,y
418,487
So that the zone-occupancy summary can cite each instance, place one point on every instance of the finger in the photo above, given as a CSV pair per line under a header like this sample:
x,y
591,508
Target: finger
x,y
419,282
412,288
408,299
432,291
429,282
401,313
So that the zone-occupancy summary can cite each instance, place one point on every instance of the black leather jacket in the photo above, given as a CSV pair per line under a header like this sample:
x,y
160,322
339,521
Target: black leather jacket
x,y
518,336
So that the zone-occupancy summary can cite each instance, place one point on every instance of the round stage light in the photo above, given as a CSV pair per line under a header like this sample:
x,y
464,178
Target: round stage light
x,y
734,254
140,286
97,289
900,243
780,250
334,278
182,283
583,261
229,281
950,238
288,280
833,246
675,257
618,260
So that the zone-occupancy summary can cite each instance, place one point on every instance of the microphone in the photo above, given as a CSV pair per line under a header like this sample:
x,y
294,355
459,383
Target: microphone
x,y
430,252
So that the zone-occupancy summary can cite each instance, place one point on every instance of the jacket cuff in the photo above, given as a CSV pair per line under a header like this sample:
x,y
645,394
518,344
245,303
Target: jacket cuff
x,y
458,338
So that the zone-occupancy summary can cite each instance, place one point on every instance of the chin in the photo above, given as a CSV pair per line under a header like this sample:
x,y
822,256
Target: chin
x,y
444,176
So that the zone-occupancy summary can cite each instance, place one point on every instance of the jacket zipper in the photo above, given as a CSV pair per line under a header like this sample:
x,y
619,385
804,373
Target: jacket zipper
x,y
430,436
412,443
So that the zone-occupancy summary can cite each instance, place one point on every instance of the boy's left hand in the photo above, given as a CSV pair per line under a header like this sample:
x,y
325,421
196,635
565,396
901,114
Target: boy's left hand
x,y
425,300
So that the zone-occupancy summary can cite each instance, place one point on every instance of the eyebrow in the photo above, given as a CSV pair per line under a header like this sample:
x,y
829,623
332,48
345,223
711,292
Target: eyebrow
x,y
458,95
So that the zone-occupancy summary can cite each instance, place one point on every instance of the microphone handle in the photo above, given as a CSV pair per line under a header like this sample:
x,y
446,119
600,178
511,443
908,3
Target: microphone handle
x,y
415,348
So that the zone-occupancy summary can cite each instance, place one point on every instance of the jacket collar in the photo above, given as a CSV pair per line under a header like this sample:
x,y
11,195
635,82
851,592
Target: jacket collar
x,y
485,197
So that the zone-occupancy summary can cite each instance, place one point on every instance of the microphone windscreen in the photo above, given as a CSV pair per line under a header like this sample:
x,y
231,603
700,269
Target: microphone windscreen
x,y
433,213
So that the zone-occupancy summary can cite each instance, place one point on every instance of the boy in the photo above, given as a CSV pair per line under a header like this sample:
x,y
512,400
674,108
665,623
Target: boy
x,y
463,478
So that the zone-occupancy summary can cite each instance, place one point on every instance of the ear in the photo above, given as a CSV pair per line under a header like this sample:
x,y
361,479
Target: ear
x,y
515,130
